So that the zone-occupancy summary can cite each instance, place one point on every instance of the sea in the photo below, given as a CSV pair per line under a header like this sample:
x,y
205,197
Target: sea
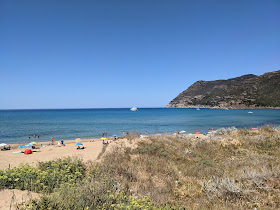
x,y
17,125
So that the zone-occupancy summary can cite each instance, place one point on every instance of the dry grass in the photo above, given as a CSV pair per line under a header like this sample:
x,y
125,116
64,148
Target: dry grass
x,y
232,169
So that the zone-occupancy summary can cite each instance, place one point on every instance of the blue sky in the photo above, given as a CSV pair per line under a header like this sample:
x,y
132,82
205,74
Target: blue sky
x,y
117,53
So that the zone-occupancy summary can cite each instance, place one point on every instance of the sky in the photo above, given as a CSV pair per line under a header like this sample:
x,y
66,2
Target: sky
x,y
124,53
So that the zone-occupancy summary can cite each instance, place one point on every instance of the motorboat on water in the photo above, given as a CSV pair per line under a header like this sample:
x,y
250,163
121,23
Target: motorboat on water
x,y
250,112
134,109
197,109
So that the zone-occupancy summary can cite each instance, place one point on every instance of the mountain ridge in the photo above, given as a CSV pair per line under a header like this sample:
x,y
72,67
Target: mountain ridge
x,y
243,92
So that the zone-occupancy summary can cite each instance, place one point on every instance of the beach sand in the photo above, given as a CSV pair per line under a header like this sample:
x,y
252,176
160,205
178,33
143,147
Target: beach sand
x,y
10,198
51,152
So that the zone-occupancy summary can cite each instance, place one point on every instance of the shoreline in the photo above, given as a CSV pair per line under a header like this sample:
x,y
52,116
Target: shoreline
x,y
49,143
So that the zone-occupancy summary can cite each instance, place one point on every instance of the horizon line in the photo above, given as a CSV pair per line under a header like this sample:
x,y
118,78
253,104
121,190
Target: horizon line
x,y
78,108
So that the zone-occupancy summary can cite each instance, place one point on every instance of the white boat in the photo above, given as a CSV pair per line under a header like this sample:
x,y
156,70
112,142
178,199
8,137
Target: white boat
x,y
198,109
250,112
134,109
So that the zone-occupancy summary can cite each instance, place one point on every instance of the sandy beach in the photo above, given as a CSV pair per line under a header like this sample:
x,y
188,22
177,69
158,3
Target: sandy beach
x,y
50,152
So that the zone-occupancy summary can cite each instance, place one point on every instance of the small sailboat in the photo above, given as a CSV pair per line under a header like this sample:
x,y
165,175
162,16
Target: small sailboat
x,y
134,109
250,112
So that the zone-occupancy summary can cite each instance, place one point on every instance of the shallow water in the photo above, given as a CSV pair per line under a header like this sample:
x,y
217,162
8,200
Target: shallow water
x,y
17,125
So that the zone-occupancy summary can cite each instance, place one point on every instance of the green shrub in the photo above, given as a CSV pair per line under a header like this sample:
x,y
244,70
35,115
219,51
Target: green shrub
x,y
45,178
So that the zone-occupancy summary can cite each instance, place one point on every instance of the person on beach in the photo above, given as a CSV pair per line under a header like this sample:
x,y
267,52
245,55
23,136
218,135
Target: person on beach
x,y
29,137
38,137
52,140
34,136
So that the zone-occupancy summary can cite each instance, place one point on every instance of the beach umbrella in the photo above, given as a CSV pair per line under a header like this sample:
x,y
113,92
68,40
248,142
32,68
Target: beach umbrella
x,y
77,140
182,131
29,145
197,132
254,128
190,134
103,138
21,146
33,143
78,143
3,144
115,135
204,131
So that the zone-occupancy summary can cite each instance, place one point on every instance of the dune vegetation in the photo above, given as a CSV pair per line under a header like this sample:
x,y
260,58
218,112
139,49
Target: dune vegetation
x,y
231,169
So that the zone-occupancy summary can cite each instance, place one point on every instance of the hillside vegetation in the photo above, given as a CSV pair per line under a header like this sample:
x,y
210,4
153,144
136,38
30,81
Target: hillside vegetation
x,y
232,169
248,91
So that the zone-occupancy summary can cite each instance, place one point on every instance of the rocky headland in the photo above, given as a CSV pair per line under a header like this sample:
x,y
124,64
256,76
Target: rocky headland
x,y
245,92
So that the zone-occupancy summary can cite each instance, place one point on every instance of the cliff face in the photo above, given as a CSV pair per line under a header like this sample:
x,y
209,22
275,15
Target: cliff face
x,y
248,91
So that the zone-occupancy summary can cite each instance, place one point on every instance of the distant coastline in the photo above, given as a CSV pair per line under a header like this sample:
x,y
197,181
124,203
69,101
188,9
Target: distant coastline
x,y
215,107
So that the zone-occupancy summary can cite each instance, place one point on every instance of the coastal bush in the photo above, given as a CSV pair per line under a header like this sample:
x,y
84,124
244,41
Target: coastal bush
x,y
246,183
44,178
96,191
223,187
225,131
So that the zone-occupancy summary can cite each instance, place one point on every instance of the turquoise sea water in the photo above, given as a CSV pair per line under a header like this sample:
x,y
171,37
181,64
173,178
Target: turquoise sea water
x,y
17,125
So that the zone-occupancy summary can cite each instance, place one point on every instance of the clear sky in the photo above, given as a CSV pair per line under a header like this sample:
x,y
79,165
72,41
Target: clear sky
x,y
124,53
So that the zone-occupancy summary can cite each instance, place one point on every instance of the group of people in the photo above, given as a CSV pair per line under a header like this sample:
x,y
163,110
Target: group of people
x,y
61,143
105,143
6,148
35,137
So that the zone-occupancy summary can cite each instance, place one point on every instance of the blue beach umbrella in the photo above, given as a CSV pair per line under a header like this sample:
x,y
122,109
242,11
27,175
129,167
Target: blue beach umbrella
x,y
115,135
29,145
205,131
78,143
21,146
